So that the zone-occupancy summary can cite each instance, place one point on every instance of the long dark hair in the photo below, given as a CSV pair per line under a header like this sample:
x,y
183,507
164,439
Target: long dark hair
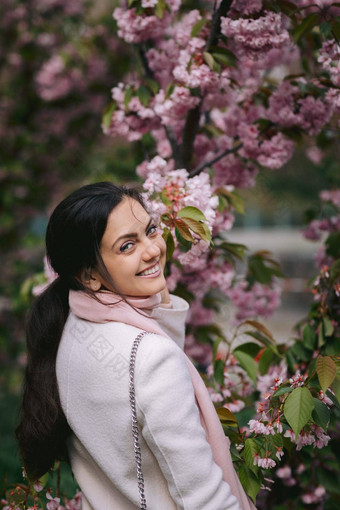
x,y
73,238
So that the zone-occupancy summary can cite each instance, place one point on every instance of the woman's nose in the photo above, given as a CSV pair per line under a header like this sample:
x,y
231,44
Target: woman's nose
x,y
151,250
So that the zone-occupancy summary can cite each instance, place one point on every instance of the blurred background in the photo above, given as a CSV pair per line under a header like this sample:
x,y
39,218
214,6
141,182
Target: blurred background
x,y
58,62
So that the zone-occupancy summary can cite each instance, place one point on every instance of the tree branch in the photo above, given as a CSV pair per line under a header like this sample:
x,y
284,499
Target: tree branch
x,y
216,23
189,135
193,116
149,74
144,60
204,165
173,142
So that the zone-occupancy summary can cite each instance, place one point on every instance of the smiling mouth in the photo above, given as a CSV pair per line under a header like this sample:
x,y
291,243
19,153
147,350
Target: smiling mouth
x,y
152,270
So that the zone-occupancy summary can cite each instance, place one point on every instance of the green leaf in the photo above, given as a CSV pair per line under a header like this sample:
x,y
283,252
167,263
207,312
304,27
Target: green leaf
x,y
247,363
264,340
198,228
169,90
208,59
170,243
321,414
260,327
277,440
325,29
250,483
144,95
250,448
191,212
327,326
326,370
160,8
262,268
298,408
128,96
306,26
184,231
198,27
224,56
215,347
153,85
235,249
211,62
249,348
333,245
107,115
286,7
335,270
219,371
336,28
300,351
309,337
265,361
282,391
226,417
321,338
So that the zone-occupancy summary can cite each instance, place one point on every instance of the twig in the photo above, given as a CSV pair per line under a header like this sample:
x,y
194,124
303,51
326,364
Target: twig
x,y
204,165
144,60
216,23
193,116
189,135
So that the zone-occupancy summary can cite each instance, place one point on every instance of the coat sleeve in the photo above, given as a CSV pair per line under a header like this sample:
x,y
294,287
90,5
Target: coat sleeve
x,y
171,427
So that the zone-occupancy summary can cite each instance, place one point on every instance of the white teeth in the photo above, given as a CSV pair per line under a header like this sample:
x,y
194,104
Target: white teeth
x,y
150,271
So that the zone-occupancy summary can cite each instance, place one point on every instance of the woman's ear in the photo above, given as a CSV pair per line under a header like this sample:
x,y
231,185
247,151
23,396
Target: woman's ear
x,y
90,279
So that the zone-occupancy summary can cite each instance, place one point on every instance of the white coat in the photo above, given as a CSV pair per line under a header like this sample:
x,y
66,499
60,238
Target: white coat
x,y
92,373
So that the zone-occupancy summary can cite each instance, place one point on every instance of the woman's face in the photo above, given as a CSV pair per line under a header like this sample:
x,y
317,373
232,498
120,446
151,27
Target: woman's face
x,y
133,250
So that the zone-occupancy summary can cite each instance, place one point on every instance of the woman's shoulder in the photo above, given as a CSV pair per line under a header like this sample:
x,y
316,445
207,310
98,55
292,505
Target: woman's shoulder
x,y
85,345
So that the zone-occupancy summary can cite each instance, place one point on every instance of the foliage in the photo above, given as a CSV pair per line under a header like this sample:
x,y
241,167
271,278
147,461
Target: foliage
x,y
222,90
225,90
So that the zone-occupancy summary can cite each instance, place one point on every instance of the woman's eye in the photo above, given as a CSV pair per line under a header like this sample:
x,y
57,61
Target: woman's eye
x,y
126,246
152,230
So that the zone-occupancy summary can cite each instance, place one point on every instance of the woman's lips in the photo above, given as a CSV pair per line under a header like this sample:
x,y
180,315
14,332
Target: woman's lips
x,y
151,272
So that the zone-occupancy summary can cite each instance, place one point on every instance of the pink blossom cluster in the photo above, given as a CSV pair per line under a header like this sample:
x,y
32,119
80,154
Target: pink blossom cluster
x,y
314,495
135,28
73,8
256,37
54,81
314,436
182,192
236,386
246,6
320,228
287,108
255,300
264,462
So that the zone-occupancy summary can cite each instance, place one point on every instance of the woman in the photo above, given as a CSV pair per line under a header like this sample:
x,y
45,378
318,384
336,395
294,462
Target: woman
x,y
109,256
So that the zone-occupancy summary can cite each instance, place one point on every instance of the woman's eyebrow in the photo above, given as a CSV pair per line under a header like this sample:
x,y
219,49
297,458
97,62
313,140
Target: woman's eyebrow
x,y
132,234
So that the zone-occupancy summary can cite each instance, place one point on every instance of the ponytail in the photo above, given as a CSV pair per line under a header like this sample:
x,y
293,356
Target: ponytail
x,y
43,428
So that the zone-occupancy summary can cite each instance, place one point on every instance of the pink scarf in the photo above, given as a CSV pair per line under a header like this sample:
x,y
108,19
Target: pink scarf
x,y
113,308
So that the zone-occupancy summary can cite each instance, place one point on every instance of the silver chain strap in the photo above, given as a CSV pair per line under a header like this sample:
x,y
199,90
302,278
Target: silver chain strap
x,y
134,423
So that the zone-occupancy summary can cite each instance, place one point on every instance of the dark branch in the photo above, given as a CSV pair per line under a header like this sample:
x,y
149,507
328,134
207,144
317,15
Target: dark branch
x,y
216,23
204,165
144,60
193,116
189,135
173,142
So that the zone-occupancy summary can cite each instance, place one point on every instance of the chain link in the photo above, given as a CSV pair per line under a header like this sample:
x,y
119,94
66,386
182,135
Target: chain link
x,y
134,423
